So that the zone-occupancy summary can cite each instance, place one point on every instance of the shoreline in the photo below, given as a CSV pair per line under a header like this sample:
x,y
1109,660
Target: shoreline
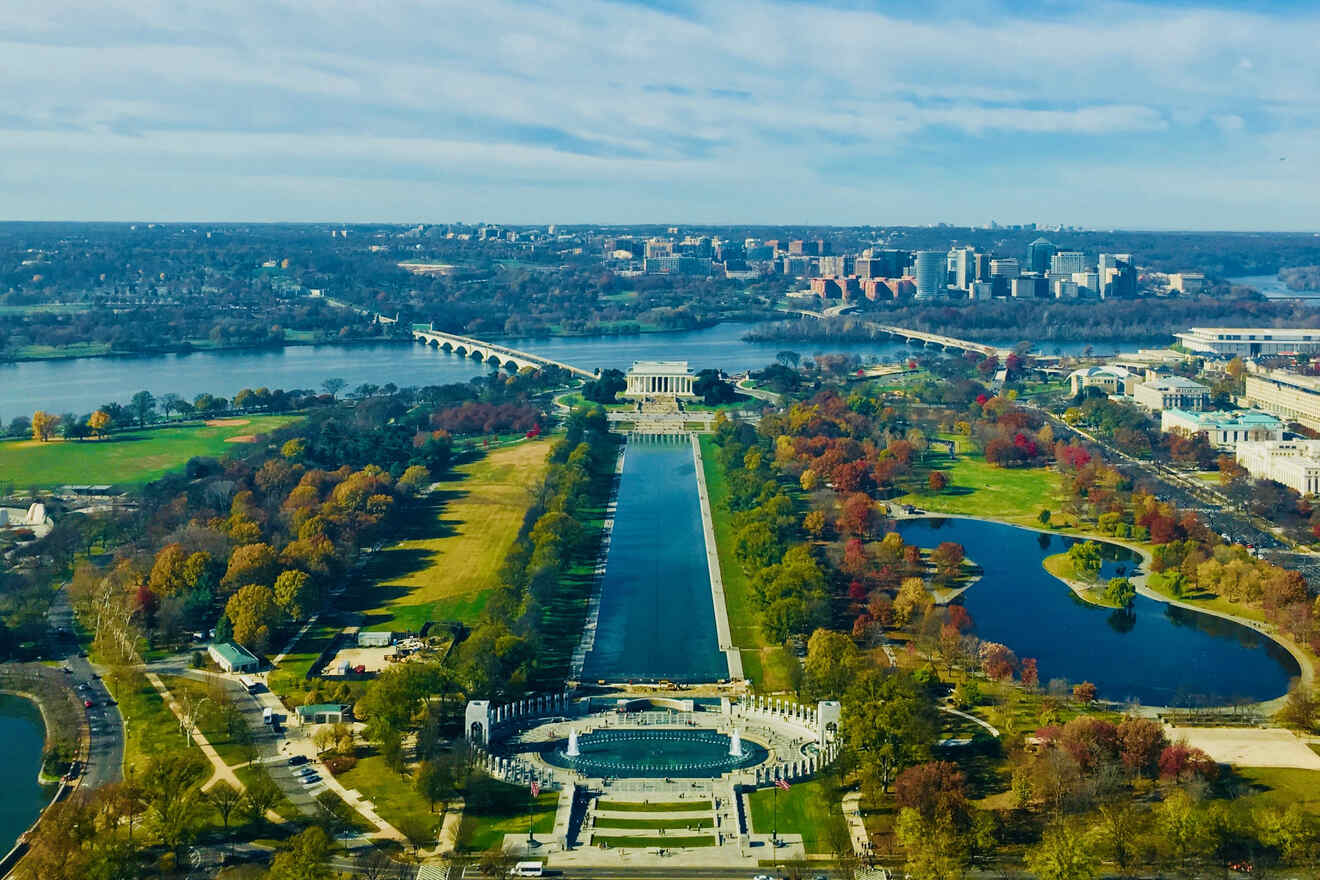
x,y
180,350
15,853
1304,662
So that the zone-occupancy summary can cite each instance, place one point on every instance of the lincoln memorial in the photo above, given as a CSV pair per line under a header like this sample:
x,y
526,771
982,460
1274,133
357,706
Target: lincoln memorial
x,y
659,379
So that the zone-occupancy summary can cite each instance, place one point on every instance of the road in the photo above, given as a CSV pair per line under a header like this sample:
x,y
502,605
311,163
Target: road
x,y
1190,493
272,746
105,759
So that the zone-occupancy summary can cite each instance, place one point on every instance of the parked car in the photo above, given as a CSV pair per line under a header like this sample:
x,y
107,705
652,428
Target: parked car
x,y
297,760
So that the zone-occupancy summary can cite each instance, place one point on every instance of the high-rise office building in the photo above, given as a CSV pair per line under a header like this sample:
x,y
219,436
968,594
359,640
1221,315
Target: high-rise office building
x,y
931,270
962,266
1067,262
1116,276
1005,267
983,267
1039,253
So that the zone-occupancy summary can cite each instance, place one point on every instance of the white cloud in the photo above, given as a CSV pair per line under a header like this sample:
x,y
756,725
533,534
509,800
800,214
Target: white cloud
x,y
745,91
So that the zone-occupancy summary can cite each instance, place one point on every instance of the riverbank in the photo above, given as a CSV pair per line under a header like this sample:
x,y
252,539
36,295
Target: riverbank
x,y
92,350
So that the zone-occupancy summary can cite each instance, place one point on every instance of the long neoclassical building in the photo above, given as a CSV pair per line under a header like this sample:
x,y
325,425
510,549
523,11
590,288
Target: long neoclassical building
x,y
660,379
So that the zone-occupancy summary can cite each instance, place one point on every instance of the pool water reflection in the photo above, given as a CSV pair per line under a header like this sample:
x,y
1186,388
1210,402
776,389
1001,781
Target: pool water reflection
x,y
654,754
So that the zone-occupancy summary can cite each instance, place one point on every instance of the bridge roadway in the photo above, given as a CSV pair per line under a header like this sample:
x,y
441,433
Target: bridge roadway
x,y
489,351
919,336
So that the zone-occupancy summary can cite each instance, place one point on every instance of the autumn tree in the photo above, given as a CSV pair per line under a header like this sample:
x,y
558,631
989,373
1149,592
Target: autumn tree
x,y
43,425
295,594
99,422
912,602
254,563
254,614
830,664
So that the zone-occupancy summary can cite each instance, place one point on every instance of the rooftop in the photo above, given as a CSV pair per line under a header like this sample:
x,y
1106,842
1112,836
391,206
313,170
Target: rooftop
x,y
1214,419
234,655
660,368
1176,383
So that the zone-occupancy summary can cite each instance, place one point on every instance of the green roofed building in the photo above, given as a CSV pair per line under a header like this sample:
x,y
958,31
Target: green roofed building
x,y
324,713
233,658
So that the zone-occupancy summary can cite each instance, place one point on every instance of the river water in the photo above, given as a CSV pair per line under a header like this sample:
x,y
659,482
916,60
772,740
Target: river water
x,y
1272,288
1158,654
80,385
23,735
657,617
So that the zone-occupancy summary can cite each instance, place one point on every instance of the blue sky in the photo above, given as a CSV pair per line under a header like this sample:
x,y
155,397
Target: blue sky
x,y
1173,115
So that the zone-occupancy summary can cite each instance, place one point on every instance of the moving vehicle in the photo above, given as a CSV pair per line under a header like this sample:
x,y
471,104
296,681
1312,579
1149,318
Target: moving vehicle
x,y
528,869
250,684
266,716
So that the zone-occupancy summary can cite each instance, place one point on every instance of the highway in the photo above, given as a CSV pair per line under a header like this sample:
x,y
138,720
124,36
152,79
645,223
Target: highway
x,y
105,760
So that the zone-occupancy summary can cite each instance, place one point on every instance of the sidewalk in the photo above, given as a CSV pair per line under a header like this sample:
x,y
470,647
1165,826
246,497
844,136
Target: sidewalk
x,y
220,770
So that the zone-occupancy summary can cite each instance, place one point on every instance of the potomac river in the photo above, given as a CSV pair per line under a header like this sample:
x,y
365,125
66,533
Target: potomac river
x,y
79,385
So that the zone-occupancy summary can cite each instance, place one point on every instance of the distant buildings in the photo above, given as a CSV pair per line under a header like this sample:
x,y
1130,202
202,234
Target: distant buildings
x,y
1187,282
1004,268
1224,430
1287,395
930,269
1172,392
1249,341
1039,254
1294,463
1066,263
1109,379
1116,275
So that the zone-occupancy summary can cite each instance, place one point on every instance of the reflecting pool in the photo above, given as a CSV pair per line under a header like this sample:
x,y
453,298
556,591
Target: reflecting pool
x,y
1157,654
654,753
657,618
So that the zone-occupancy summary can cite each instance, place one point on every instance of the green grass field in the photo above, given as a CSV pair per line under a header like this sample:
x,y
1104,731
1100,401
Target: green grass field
x,y
394,797
449,558
497,809
209,721
693,824
131,458
811,809
668,842
655,807
150,728
758,661
979,489
290,678
1280,787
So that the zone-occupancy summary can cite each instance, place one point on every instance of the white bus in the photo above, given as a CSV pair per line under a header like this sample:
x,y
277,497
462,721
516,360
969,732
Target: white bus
x,y
528,869
250,683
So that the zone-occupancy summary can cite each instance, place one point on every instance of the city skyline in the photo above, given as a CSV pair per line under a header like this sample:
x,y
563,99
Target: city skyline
x,y
1135,116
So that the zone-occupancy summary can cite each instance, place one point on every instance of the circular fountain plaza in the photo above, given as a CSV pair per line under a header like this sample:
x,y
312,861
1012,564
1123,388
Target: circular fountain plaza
x,y
653,774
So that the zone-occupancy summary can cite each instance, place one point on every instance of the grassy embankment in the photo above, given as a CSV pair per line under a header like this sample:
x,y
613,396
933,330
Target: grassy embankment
x,y
761,660
130,458
449,557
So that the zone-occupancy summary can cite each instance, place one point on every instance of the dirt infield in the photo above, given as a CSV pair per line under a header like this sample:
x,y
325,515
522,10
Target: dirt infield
x,y
242,438
227,423
1249,747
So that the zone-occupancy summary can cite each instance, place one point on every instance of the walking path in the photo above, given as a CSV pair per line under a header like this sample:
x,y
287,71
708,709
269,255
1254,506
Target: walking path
x,y
722,632
852,814
293,641
220,770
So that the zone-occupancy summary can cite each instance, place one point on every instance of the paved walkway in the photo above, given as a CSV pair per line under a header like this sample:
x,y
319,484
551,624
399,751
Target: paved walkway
x,y
852,814
220,770
1249,747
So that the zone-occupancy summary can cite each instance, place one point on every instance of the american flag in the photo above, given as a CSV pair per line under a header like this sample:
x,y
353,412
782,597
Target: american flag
x,y
782,784
536,788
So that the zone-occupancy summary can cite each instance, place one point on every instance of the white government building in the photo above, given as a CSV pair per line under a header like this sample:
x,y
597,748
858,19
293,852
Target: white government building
x,y
1249,341
1294,463
659,379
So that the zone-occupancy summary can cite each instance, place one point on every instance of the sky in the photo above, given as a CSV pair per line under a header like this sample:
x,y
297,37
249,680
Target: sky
x,y
1152,115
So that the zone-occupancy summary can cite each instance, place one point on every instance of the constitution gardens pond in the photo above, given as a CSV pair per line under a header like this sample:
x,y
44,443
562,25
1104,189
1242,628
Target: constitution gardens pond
x,y
1156,653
